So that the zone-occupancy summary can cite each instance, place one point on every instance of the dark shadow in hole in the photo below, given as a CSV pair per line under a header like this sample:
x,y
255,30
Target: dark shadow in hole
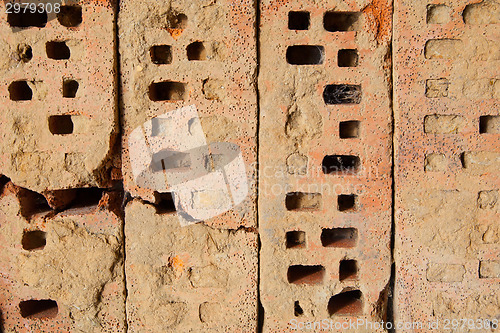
x,y
342,94
164,202
28,19
70,87
346,202
161,54
32,203
20,91
167,91
33,240
347,58
297,309
349,129
305,54
340,164
24,52
346,303
348,270
302,274
57,50
60,124
339,237
341,21
38,309
70,16
295,239
299,20
196,51
303,201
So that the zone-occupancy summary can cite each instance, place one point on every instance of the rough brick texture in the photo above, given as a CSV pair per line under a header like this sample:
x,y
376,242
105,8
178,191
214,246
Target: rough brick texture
x,y
325,161
188,279
209,47
56,133
61,271
446,167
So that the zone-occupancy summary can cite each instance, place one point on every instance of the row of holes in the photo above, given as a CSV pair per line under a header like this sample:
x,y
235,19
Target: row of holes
x,y
487,125
315,274
298,201
69,16
21,91
315,55
332,21
57,50
162,54
347,303
441,14
336,237
332,94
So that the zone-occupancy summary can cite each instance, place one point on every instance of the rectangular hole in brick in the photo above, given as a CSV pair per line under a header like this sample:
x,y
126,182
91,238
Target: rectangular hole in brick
x,y
57,50
164,202
342,94
61,124
339,237
87,197
70,16
161,54
348,270
295,239
305,54
346,202
27,19
297,309
38,309
346,303
303,201
196,51
341,21
489,124
20,91
167,91
299,274
340,164
33,240
299,20
70,87
32,203
347,58
349,129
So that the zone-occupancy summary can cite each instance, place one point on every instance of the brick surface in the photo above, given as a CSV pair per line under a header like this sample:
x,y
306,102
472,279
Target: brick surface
x,y
73,258
446,73
188,279
221,85
326,252
47,140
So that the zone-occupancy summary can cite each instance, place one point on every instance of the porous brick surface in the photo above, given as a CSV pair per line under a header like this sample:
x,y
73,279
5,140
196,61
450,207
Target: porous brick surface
x,y
60,271
324,215
446,70
188,279
56,133
208,49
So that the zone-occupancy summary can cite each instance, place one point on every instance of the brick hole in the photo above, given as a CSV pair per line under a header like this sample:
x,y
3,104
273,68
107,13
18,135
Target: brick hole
x,y
70,16
28,19
57,50
339,237
303,201
462,160
346,303
340,164
177,20
348,270
70,87
20,91
297,309
87,197
24,52
196,51
38,309
489,124
167,91
161,54
346,202
295,239
164,202
347,58
349,129
438,14
61,124
299,274
342,94
299,20
305,54
32,203
33,240
341,21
